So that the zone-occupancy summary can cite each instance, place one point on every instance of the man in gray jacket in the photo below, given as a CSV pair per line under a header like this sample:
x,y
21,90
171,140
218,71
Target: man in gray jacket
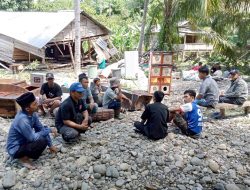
x,y
237,93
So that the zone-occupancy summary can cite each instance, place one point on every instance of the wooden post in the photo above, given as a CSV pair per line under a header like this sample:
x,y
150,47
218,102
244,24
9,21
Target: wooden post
x,y
59,48
77,65
29,56
71,55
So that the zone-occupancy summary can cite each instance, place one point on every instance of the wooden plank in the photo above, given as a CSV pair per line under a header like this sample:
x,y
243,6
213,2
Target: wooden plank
x,y
71,55
5,67
59,49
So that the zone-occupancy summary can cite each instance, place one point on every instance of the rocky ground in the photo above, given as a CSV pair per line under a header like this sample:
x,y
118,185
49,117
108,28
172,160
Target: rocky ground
x,y
113,156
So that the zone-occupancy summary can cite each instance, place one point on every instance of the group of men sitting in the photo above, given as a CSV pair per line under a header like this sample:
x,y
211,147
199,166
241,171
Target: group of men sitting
x,y
28,138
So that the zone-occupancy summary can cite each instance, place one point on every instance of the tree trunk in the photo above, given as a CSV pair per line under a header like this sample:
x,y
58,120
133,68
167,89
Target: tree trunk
x,y
77,66
165,38
145,10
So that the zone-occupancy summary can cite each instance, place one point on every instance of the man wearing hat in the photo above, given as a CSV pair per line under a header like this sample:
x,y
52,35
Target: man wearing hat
x,y
237,92
27,137
113,96
154,119
72,117
50,95
209,92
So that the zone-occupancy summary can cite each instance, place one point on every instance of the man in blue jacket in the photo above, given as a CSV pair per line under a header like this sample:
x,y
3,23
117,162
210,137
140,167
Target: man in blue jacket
x,y
188,117
27,137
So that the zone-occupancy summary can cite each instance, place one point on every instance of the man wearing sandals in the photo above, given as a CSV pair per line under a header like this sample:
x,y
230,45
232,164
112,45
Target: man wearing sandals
x,y
27,137
50,95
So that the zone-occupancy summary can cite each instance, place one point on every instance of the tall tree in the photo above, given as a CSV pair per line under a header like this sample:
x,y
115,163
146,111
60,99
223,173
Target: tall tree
x,y
77,66
15,5
145,10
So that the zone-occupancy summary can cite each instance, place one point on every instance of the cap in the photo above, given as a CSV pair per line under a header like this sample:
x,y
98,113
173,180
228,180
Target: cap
x,y
49,76
114,82
234,71
25,99
76,86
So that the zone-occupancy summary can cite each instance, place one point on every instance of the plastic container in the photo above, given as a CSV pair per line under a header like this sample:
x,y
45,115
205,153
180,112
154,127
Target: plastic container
x,y
92,71
116,73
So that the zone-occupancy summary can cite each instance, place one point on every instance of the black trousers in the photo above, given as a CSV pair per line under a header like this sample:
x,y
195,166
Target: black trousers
x,y
141,128
32,150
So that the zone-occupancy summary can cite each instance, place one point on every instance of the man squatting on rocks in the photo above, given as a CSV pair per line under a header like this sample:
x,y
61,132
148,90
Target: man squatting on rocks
x,y
113,97
154,119
50,95
209,92
27,137
188,117
72,117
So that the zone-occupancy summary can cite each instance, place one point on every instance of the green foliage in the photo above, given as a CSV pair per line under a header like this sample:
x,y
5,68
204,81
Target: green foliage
x,y
55,5
15,5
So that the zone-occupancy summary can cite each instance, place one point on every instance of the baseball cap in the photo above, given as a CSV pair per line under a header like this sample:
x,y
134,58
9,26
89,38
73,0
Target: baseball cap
x,y
234,71
76,86
49,76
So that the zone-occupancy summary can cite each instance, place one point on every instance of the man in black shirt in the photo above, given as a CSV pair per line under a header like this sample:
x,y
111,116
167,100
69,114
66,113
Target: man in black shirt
x,y
72,117
50,95
154,119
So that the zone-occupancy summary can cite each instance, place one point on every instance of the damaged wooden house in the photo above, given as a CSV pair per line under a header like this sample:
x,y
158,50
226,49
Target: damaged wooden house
x,y
49,36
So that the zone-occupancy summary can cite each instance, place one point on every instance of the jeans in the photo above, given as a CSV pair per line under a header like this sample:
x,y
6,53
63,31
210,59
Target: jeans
x,y
237,101
70,134
204,103
115,104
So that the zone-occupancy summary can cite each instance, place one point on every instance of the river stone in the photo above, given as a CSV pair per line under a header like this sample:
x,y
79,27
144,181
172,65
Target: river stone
x,y
112,172
222,147
37,183
119,182
82,161
124,166
219,186
101,169
85,186
9,179
247,181
232,187
196,161
213,166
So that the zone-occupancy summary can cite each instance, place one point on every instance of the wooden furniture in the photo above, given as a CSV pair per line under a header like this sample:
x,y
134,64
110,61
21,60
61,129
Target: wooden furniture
x,y
9,91
160,72
225,106
103,114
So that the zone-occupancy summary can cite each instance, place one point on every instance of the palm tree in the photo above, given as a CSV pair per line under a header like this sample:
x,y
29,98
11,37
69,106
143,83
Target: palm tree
x,y
218,18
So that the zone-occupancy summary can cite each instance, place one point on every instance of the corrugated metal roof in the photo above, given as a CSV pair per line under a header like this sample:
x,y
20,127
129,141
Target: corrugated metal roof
x,y
34,28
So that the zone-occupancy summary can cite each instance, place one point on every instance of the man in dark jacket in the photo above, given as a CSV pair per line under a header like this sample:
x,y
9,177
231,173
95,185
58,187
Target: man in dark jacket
x,y
237,92
154,119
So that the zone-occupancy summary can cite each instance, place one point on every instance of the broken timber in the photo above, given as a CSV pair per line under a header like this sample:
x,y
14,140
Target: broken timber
x,y
9,91
225,106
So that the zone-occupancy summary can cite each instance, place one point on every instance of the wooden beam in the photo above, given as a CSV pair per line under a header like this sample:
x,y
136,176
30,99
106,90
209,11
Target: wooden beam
x,y
5,67
71,55
59,49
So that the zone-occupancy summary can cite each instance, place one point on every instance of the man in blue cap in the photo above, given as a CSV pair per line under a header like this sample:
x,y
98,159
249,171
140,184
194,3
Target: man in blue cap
x,y
237,93
72,117
27,137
